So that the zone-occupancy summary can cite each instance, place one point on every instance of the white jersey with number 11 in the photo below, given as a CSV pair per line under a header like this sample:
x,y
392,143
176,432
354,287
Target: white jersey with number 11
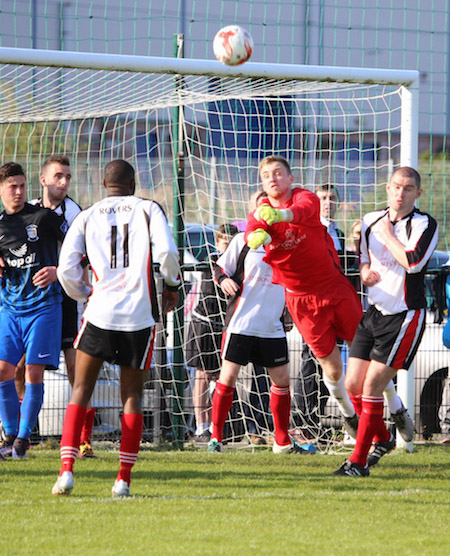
x,y
121,236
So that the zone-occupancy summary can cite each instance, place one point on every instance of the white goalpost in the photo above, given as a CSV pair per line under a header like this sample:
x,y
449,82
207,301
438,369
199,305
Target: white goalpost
x,y
195,131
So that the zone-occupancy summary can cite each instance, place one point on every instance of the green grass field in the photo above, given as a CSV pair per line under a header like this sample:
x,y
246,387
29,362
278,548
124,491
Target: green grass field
x,y
237,502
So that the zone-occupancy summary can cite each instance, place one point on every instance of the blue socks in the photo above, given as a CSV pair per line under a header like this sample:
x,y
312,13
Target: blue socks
x,y
9,407
31,405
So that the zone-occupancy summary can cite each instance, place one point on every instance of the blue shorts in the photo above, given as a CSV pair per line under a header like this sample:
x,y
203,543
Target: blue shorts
x,y
37,334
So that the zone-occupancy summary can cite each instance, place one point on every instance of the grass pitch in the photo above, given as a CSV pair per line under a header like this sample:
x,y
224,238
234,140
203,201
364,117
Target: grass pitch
x,y
241,503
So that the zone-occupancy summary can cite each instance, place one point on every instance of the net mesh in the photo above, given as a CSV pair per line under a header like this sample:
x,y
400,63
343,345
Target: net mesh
x,y
344,134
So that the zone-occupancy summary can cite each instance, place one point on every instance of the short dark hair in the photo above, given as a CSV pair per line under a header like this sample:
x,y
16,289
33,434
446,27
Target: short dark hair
x,y
408,172
327,187
274,158
226,231
56,159
9,170
119,172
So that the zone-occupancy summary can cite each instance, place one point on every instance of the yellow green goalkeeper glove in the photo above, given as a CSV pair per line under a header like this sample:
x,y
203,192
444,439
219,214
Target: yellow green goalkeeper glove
x,y
257,238
269,214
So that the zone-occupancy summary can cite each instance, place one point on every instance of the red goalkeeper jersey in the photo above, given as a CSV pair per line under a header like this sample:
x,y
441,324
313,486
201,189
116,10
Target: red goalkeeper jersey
x,y
302,255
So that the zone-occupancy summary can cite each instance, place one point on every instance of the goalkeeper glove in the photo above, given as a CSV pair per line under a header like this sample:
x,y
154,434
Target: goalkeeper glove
x,y
269,214
257,238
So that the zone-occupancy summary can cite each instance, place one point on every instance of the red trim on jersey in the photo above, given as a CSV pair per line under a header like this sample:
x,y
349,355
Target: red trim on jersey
x,y
150,351
94,273
407,342
80,333
149,274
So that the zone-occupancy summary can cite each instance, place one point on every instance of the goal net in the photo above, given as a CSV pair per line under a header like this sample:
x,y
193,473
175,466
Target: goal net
x,y
195,132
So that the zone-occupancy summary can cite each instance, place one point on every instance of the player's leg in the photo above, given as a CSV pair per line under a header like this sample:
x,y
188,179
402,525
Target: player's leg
x,y
41,333
202,405
371,423
30,408
69,333
87,369
280,404
11,350
399,414
9,408
344,314
19,378
222,402
355,376
334,380
132,385
70,358
134,352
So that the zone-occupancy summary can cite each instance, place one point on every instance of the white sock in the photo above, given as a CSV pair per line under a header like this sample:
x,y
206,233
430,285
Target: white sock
x,y
201,427
392,398
340,394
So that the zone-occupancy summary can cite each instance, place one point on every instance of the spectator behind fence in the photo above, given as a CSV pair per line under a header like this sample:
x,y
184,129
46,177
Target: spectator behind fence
x,y
121,236
204,334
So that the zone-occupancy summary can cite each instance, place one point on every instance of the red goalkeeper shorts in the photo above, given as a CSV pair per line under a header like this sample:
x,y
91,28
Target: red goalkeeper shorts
x,y
322,317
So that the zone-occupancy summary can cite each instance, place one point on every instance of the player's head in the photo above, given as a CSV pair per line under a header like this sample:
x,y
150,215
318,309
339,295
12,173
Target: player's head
x,y
55,179
329,200
224,233
403,190
276,178
256,199
119,178
12,187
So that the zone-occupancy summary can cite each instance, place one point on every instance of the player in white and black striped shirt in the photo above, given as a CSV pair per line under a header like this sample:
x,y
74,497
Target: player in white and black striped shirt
x,y
396,245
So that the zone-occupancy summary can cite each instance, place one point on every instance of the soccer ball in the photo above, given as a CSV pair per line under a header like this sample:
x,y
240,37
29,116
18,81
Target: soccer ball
x,y
233,45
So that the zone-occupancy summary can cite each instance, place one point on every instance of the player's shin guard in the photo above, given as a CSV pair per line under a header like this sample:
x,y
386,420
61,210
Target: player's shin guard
x,y
221,405
132,424
369,422
30,408
280,405
86,431
70,440
9,407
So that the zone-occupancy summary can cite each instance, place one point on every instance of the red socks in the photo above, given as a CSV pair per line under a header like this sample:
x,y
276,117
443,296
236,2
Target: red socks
x,y
357,403
132,424
70,440
221,405
88,425
371,423
280,405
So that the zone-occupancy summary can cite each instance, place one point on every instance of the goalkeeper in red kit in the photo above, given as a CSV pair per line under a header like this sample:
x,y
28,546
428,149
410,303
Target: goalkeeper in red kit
x,y
321,300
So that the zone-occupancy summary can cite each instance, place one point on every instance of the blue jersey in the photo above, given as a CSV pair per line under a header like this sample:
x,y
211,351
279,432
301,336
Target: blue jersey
x,y
28,242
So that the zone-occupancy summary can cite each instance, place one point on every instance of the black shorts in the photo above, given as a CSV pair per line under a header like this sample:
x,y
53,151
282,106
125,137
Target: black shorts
x,y
267,352
128,349
203,345
69,321
389,339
